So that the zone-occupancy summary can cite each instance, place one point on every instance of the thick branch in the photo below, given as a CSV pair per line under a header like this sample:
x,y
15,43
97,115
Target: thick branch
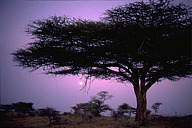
x,y
119,74
150,83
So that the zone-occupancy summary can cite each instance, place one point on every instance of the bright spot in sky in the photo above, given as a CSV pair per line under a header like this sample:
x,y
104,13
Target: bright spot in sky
x,y
80,83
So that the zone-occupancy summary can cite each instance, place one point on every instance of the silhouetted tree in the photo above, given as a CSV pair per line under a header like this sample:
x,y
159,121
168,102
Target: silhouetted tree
x,y
84,110
141,43
95,106
125,108
23,107
48,112
155,107
98,103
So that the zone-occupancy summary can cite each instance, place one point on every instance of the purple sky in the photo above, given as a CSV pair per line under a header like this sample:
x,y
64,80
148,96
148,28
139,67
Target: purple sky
x,y
63,92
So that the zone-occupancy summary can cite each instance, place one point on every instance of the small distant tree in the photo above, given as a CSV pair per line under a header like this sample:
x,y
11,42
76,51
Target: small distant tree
x,y
67,113
84,110
96,105
48,112
98,102
23,107
155,106
126,108
84,107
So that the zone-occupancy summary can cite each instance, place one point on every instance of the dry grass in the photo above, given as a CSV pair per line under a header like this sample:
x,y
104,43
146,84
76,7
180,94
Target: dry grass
x,y
100,122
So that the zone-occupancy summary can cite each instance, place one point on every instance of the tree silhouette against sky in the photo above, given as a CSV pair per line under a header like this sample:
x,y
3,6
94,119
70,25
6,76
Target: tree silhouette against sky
x,y
155,107
141,43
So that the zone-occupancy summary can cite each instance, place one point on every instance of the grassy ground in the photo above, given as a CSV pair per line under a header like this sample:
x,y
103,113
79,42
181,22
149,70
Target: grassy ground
x,y
100,122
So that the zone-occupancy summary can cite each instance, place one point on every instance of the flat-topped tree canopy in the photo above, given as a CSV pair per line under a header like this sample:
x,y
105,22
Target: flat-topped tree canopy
x,y
114,47
141,43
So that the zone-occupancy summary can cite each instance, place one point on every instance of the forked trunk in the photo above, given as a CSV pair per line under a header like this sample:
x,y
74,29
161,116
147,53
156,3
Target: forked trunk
x,y
141,113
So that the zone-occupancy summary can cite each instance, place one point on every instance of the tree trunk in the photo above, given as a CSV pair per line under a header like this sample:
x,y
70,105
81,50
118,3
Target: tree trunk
x,y
141,113
49,120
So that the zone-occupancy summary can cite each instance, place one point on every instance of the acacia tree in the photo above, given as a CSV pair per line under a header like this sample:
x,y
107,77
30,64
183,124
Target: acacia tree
x,y
49,112
98,103
155,106
23,107
126,108
141,43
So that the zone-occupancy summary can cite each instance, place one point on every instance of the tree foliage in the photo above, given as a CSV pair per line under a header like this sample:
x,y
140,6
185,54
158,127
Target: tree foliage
x,y
95,106
155,106
21,107
135,40
49,112
98,102
126,109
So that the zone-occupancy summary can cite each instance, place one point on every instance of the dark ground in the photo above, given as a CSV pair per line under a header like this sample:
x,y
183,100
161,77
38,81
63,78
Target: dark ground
x,y
99,122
